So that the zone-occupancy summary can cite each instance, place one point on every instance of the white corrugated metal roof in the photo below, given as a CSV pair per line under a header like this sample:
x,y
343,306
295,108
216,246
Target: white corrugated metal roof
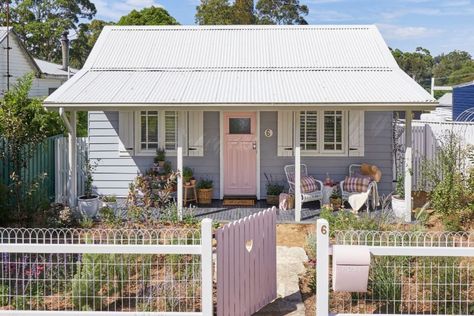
x,y
49,68
240,65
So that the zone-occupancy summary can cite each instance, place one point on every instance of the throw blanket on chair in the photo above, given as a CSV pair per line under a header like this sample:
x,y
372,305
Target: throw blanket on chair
x,y
357,200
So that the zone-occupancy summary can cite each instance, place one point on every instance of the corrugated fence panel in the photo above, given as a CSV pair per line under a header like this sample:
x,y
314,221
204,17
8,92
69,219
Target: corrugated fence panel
x,y
246,264
38,173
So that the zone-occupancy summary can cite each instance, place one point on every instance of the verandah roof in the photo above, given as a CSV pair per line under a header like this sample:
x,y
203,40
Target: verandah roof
x,y
241,65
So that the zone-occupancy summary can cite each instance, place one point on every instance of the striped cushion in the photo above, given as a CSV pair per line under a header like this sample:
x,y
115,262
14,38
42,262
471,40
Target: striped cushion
x,y
308,184
356,184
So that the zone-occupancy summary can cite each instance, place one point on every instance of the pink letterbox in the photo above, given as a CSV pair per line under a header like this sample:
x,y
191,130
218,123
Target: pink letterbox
x,y
350,268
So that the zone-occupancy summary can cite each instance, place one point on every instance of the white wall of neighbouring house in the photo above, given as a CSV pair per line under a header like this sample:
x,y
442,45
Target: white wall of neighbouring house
x,y
20,65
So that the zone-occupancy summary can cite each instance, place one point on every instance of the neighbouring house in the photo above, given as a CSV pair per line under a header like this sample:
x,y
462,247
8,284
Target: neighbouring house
x,y
463,100
48,76
237,102
443,112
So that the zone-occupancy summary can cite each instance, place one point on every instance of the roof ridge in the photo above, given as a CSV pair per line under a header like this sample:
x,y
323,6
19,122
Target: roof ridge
x,y
249,69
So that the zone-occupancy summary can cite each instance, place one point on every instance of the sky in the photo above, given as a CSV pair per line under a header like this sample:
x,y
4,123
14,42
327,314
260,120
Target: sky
x,y
438,25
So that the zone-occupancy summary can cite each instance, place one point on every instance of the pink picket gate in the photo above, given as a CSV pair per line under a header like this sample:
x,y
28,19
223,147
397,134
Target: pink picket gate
x,y
246,264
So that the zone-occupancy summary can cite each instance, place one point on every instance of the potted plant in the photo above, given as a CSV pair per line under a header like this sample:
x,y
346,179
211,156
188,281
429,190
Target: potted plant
x,y
336,199
204,187
89,203
273,191
160,157
398,199
167,168
193,181
110,201
187,175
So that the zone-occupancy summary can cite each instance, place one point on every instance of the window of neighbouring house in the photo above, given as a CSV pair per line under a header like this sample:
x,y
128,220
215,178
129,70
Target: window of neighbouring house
x,y
158,129
322,132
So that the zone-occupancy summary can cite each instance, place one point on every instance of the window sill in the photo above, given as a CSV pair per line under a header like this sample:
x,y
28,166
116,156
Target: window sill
x,y
171,153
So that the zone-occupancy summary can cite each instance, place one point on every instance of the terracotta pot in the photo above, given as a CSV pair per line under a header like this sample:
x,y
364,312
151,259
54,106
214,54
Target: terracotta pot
x,y
161,164
193,181
336,203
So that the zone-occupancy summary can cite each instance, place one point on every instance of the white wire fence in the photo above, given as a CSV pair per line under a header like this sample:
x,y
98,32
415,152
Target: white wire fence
x,y
410,273
103,270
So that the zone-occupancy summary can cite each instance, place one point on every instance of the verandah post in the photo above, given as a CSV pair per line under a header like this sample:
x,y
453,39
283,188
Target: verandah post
x,y
179,157
408,165
297,172
206,267
72,144
322,267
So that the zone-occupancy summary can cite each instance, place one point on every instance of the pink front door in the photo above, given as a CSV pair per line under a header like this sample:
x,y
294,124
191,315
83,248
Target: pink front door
x,y
240,154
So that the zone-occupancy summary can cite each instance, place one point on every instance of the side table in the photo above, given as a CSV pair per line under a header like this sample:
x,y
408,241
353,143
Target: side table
x,y
193,197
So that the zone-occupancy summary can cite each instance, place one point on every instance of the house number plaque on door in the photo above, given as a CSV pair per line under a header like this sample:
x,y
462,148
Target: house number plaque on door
x,y
268,132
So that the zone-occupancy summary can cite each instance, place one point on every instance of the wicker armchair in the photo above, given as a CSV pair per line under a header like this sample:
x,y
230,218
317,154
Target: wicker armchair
x,y
308,196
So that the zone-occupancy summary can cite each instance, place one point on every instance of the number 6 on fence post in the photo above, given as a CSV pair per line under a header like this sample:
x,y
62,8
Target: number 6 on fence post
x,y
322,267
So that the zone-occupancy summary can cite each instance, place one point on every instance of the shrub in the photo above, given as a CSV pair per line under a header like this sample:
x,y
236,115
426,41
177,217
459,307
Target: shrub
x,y
452,191
4,295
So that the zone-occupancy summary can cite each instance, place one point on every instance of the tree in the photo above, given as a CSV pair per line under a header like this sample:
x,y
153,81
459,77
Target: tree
x,y
214,12
244,12
148,16
417,65
221,12
453,68
39,23
24,123
281,12
81,46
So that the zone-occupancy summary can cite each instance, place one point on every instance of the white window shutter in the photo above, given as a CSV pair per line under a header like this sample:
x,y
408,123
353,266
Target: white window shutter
x,y
356,133
285,133
196,133
126,129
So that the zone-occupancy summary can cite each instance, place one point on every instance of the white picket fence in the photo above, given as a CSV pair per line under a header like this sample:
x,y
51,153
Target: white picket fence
x,y
410,273
167,271
426,137
62,167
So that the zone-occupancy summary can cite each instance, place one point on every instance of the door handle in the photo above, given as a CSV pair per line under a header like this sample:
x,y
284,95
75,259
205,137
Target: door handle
x,y
254,145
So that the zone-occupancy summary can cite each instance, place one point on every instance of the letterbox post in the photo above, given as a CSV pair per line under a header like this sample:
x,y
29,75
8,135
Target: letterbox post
x,y
322,267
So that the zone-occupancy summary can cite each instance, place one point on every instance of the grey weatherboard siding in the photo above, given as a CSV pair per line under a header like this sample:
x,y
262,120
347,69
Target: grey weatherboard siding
x,y
113,173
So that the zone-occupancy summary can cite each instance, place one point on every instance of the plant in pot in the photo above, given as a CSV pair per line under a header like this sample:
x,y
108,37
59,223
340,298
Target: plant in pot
x,y
204,187
398,199
273,191
89,203
110,201
160,157
187,175
167,168
336,199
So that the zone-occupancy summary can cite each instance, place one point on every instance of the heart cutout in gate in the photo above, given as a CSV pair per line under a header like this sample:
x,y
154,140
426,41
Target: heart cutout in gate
x,y
249,245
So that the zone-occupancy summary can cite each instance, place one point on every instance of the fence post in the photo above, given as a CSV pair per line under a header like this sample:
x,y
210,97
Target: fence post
x,y
206,267
322,267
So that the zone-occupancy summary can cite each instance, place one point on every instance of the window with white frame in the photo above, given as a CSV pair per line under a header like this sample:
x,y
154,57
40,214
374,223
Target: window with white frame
x,y
309,130
158,129
322,132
